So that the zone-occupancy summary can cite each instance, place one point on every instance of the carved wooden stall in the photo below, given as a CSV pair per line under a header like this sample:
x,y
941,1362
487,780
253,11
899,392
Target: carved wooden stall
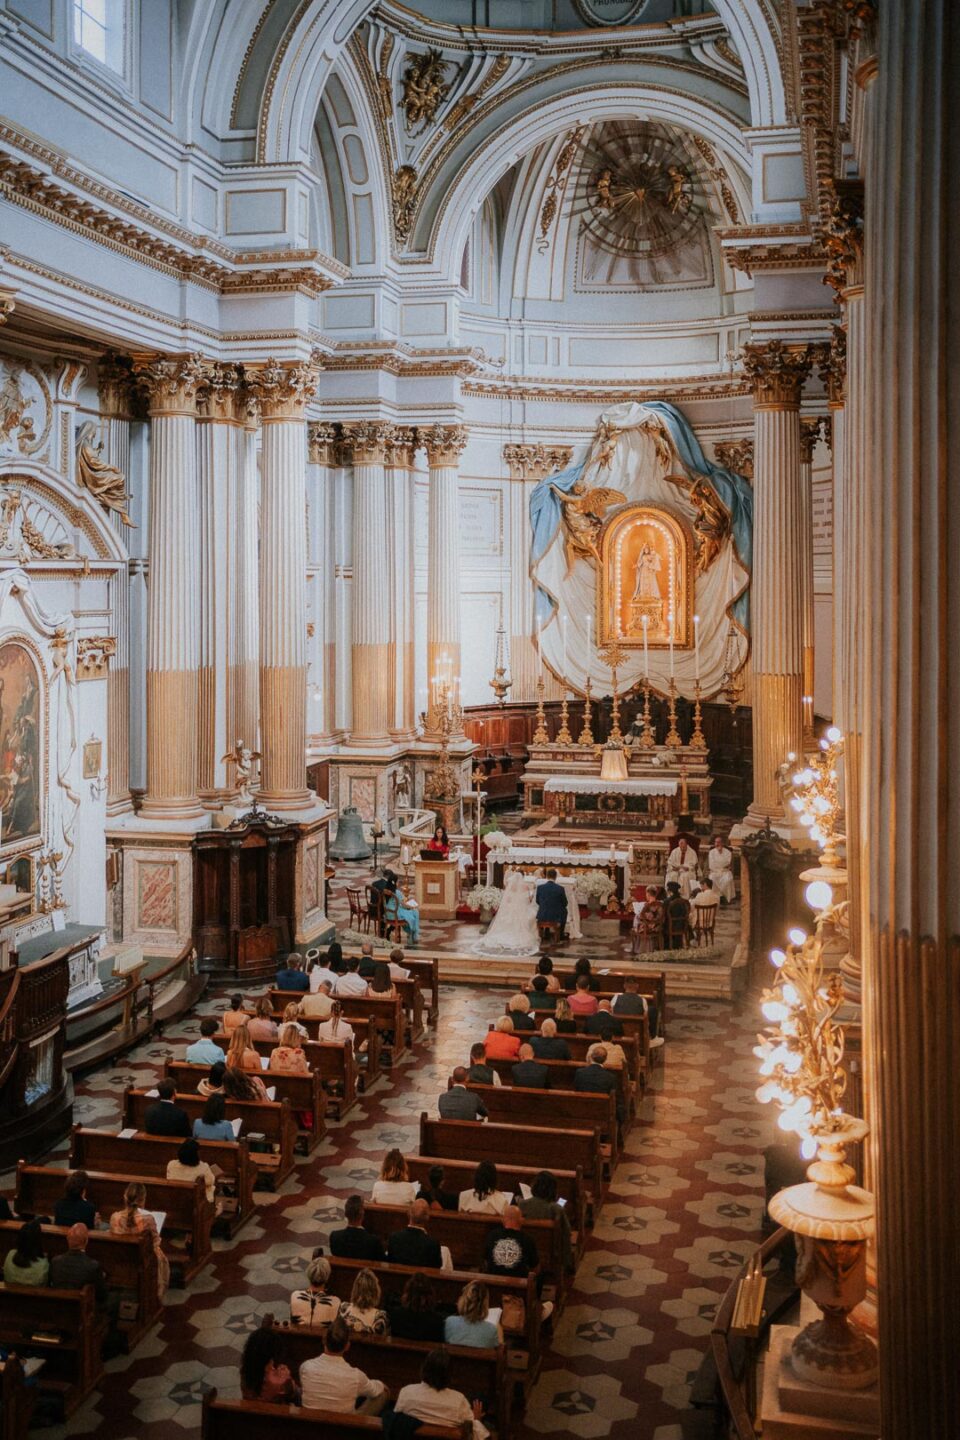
x,y
244,895
36,1097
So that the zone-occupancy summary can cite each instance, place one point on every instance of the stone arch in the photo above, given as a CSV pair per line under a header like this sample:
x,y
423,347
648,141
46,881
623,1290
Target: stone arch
x,y
76,510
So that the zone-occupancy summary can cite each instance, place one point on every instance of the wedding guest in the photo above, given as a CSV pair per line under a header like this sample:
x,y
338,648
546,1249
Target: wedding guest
x,y
134,1219
212,1124
262,1374
74,1268
501,1043
530,1072
241,1054
381,986
432,1190
187,1165
439,842
291,1016
290,976
519,1012
583,967
330,1383
320,972
313,1306
235,1016
26,1263
363,1312
164,1116
212,1083
434,1402
677,917
541,996
394,1187
603,1021
414,1245
335,1027
563,1018
548,1045
353,1242
397,906
397,969
545,968
262,1026
459,1103
416,1315
471,1325
242,1085
542,1204
205,1051
582,1001
648,917
486,1197
479,1072
351,984
73,1207
289,1056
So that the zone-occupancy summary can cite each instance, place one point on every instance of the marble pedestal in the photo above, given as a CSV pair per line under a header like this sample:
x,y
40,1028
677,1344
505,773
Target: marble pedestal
x,y
793,1409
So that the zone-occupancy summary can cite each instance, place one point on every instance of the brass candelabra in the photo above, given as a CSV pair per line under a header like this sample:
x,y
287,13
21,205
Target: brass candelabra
x,y
443,784
540,736
563,734
647,738
673,734
613,656
586,734
697,739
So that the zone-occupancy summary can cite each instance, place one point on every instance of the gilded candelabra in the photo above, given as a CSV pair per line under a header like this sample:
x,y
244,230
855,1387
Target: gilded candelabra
x,y
540,736
697,739
443,783
501,681
673,734
816,796
563,734
613,656
647,738
586,734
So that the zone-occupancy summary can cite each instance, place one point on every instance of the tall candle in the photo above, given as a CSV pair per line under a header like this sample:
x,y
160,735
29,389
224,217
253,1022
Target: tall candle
x,y
564,632
645,621
540,647
589,639
696,643
670,624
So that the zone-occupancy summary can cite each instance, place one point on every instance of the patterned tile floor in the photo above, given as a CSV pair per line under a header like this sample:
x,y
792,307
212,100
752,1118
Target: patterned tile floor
x,y
683,1212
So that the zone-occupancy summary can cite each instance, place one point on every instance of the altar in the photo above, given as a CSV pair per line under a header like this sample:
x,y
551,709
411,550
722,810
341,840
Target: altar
x,y
666,790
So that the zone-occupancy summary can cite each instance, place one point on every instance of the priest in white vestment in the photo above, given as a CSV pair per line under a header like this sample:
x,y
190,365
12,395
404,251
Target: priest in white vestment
x,y
720,869
682,867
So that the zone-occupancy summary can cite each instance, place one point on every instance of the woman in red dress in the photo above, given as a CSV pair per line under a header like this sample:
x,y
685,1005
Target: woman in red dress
x,y
440,842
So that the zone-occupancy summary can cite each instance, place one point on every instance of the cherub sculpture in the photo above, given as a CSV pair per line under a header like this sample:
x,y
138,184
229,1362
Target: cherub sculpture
x,y
242,758
583,512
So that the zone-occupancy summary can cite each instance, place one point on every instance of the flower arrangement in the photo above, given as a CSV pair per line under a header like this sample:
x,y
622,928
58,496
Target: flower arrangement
x,y
593,887
496,840
484,897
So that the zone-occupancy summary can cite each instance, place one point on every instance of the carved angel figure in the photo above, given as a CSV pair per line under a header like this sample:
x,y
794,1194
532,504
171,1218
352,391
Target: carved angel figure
x,y
104,481
242,758
13,412
711,524
424,88
583,512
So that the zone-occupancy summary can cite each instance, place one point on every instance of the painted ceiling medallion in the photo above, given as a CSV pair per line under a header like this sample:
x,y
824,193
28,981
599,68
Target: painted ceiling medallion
x,y
640,195
610,12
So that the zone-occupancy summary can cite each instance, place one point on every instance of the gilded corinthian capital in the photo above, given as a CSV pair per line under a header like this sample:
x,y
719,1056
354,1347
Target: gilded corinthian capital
x,y
777,372
169,382
284,388
832,364
217,392
536,462
367,442
114,384
322,443
736,455
444,444
811,427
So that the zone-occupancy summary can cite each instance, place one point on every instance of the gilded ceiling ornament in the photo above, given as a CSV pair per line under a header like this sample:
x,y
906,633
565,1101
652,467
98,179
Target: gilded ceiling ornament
x,y
424,88
583,512
777,372
105,482
556,183
466,103
403,192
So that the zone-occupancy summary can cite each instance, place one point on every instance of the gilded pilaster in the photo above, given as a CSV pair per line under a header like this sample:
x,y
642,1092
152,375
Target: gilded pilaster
x,y
810,429
323,455
444,445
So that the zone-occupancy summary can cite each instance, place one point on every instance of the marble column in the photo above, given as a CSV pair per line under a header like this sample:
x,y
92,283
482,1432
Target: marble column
x,y
283,390
910,627
243,636
365,445
444,445
527,465
400,499
777,371
321,446
810,428
173,604
115,398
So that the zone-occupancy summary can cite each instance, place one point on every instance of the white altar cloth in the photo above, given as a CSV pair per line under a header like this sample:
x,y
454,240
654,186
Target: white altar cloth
x,y
554,855
593,785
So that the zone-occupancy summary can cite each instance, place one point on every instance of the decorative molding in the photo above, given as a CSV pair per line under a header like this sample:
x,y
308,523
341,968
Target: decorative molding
x,y
535,462
736,455
322,444
751,248
699,387
462,107
842,234
832,366
8,304
811,429
366,442
556,184
170,382
401,447
284,388
444,444
777,372
94,653
424,88
403,193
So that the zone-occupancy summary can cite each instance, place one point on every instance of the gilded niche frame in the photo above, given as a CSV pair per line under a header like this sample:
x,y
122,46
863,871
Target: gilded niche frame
x,y
646,567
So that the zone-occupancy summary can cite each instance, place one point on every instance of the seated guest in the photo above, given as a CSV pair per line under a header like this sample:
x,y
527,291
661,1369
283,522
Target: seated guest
x,y
416,1316
414,1246
434,1402
262,1375
548,1045
133,1219
212,1084
368,961
74,1269
397,970
595,1078
289,1055
398,906
313,1306
705,898
678,917
519,1013
242,1085
335,1028
439,842
432,1190
352,983
5,1212
189,1166
335,960
582,1001
486,1197
542,998
163,1117
235,1016
563,1015
543,1205
545,968
459,1103
616,1055
479,1072
73,1207
204,1051
394,1187
320,973
501,1043
603,1021
530,1072
212,1124
241,1054
291,1016
262,1026
631,1002
291,976
583,967
363,1312
329,1383
381,986
471,1325
354,1242
509,1251
26,1263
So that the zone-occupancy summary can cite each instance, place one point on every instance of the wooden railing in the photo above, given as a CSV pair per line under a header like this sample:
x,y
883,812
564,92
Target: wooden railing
x,y
736,1375
9,989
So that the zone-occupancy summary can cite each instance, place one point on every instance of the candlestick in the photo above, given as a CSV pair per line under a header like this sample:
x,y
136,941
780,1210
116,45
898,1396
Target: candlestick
x,y
697,740
647,738
673,734
540,736
696,645
589,637
586,734
540,648
645,622
563,734
670,625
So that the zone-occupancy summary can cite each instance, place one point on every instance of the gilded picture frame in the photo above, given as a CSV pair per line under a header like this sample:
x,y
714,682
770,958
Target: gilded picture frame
x,y
646,569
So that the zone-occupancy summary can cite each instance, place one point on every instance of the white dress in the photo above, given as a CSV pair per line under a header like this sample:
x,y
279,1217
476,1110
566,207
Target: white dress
x,y
513,930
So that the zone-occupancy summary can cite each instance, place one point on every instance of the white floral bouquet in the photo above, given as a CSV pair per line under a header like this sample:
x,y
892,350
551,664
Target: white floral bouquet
x,y
593,886
484,897
496,840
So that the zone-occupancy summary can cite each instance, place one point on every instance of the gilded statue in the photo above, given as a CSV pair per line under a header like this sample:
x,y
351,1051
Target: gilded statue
x,y
424,88
104,481
583,512
404,189
711,524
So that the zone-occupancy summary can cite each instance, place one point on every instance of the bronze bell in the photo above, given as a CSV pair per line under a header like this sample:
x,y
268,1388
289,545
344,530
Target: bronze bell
x,y
350,843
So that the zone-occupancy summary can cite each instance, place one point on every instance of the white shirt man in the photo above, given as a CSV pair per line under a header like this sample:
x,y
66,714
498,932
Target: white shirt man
x,y
682,867
351,984
322,975
720,867
318,1005
330,1383
705,896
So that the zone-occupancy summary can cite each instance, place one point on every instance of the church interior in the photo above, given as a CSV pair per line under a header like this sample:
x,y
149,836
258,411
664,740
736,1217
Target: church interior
x,y
479,699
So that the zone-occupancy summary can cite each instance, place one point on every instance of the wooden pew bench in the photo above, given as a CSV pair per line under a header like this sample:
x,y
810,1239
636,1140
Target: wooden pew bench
x,y
426,970
366,1043
335,1063
273,1119
128,1261
580,1043
547,1109
254,1420
184,1202
144,1154
304,1092
16,1400
458,1175
636,1032
561,1073
554,1149
73,1353
390,1015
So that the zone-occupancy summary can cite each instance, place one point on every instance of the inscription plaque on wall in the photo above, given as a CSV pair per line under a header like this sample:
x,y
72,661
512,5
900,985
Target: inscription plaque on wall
x,y
481,522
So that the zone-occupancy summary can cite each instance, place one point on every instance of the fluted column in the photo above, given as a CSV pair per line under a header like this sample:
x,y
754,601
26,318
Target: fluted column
x,y
810,427
243,637
444,445
911,625
173,606
321,719
400,490
778,372
527,465
283,391
365,445
114,391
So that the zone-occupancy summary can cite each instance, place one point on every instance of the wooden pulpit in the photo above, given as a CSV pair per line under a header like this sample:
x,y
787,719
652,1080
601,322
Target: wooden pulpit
x,y
435,887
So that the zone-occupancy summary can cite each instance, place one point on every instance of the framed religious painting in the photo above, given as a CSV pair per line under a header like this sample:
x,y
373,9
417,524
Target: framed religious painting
x,y
21,747
645,579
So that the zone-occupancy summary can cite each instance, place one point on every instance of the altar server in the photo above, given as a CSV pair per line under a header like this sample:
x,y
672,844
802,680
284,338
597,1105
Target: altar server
x,y
682,867
720,868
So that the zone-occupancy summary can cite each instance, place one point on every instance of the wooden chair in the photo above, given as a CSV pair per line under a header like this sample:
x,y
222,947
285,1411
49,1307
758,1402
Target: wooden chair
x,y
704,922
550,932
374,909
359,919
676,928
390,926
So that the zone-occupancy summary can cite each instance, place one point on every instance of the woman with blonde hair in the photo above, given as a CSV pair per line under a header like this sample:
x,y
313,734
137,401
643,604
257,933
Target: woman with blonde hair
x,y
394,1186
291,1016
336,1028
519,1012
135,1220
262,1026
313,1306
501,1043
289,1054
563,1017
471,1325
241,1054
363,1313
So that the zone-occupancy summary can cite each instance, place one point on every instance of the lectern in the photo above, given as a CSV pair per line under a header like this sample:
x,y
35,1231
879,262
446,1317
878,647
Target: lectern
x,y
435,887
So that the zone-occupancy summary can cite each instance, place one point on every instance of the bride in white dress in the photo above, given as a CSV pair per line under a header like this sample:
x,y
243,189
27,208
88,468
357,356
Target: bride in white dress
x,y
513,930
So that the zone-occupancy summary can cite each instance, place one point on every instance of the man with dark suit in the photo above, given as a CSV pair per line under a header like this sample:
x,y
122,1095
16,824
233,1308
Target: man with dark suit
x,y
354,1242
74,1269
413,1246
631,1002
459,1103
164,1117
593,1078
603,1022
530,1072
540,997
290,975
552,902
548,1045
368,965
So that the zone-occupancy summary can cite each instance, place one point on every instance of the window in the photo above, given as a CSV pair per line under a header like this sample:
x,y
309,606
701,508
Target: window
x,y
98,28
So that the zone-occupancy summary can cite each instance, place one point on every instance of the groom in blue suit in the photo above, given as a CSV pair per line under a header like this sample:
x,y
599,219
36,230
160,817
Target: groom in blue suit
x,y
552,902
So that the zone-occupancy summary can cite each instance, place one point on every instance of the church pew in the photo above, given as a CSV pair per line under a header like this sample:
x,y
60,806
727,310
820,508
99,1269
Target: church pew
x,y
272,1119
579,1044
553,1149
366,1041
651,983
16,1400
254,1420
184,1203
636,1029
335,1063
389,1014
76,1333
128,1261
149,1155
398,1362
465,1235
447,1287
573,1109
458,1175
304,1092
426,970
561,1073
